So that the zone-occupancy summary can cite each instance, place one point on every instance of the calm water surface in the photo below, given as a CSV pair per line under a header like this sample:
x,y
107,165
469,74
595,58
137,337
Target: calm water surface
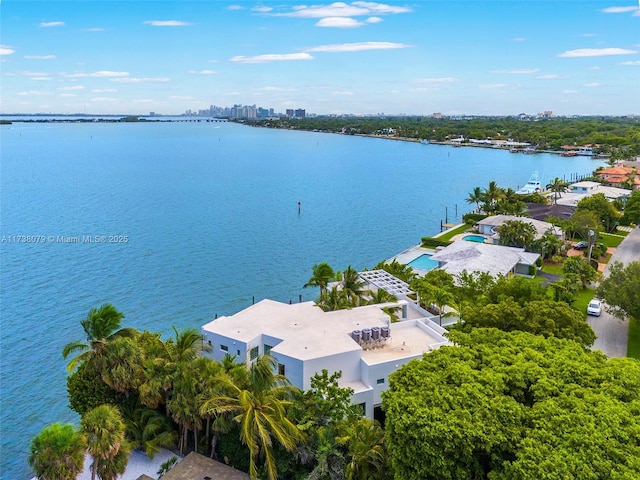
x,y
210,213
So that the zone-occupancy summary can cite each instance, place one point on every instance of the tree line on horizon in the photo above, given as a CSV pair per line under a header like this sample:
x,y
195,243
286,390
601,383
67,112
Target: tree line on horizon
x,y
606,134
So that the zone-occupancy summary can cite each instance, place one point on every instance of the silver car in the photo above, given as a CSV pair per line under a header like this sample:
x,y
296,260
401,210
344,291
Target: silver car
x,y
594,308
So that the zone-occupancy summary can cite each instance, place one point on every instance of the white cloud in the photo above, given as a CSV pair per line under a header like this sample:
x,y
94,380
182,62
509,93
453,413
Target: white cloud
x,y
104,90
235,7
357,47
373,20
99,74
588,35
42,79
260,9
166,23
277,89
339,22
75,87
635,62
103,99
144,100
140,80
51,24
551,76
32,93
40,57
519,39
203,72
341,9
67,95
620,9
593,85
6,51
342,93
595,52
272,57
527,71
436,80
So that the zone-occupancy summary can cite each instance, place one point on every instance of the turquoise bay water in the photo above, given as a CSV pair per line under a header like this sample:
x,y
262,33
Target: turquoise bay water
x,y
210,215
423,262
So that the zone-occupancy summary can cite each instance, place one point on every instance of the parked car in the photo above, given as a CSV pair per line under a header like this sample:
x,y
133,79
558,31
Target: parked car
x,y
594,308
581,245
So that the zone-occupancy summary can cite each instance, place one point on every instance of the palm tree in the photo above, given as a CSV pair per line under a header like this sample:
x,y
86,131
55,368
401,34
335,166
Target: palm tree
x,y
366,451
557,186
476,196
353,285
105,434
146,428
260,412
57,452
334,299
101,326
322,275
327,455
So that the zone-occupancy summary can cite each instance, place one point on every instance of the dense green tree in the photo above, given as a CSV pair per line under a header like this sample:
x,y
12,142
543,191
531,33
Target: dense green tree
x,y
520,289
604,210
104,430
581,223
504,405
86,390
473,287
580,266
121,363
548,245
57,452
259,409
540,317
621,290
322,275
632,209
516,233
101,326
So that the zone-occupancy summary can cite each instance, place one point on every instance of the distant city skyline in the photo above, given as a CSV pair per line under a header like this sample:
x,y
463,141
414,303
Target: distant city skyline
x,y
328,58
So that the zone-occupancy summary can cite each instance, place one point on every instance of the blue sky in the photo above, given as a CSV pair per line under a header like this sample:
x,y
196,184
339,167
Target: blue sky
x,y
420,57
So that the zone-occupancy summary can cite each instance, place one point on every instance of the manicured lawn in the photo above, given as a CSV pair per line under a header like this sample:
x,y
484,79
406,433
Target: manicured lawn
x,y
622,233
610,240
452,233
555,269
583,298
633,346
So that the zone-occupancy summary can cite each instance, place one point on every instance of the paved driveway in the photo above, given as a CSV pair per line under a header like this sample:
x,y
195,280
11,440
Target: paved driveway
x,y
612,334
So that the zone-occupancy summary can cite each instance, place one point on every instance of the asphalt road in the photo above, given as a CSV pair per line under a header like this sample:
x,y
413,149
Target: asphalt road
x,y
612,334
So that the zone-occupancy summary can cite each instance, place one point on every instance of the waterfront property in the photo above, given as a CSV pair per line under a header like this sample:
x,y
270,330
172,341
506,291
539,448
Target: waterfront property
x,y
475,238
489,226
620,175
198,466
579,190
423,262
481,257
361,342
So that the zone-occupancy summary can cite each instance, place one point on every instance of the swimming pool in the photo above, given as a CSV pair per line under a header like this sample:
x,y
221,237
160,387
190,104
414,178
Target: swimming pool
x,y
423,262
474,238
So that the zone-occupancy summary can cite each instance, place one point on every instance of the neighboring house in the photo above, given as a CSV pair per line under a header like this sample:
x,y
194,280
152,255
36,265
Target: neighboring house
x,y
361,342
489,226
481,257
198,467
619,175
578,191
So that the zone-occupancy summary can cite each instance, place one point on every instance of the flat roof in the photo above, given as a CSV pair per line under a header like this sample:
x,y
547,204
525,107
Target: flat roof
x,y
307,332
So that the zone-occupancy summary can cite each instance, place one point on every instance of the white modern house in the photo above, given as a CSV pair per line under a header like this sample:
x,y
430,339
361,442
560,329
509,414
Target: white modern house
x,y
489,226
579,190
482,257
361,342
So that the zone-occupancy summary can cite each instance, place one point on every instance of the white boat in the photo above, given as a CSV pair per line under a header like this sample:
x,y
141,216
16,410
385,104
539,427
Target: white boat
x,y
532,186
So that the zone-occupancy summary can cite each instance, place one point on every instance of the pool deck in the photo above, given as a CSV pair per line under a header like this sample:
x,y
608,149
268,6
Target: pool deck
x,y
410,254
